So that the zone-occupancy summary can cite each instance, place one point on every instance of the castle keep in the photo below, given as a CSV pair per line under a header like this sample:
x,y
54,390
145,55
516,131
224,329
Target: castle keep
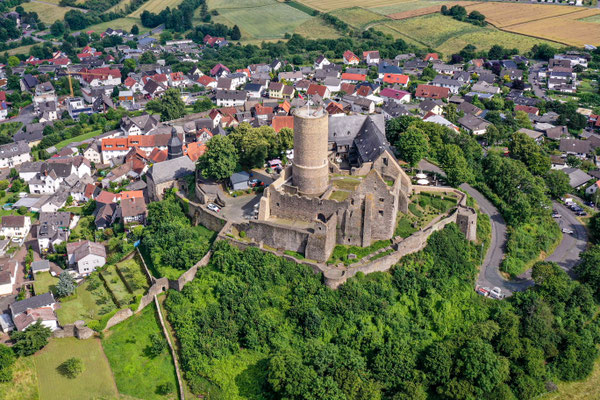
x,y
317,203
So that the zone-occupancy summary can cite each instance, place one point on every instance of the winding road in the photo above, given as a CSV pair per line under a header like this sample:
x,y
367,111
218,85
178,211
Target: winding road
x,y
566,254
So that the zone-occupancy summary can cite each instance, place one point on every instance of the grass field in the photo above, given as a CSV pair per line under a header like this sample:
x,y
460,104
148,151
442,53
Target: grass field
x,y
79,138
592,18
116,285
358,17
135,373
121,23
328,5
314,28
132,271
48,13
24,384
96,380
85,305
425,9
155,6
451,35
259,19
588,389
44,282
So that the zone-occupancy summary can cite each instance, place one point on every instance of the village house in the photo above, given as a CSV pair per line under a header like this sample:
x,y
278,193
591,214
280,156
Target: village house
x,y
13,154
431,92
41,308
15,226
371,57
8,274
133,211
230,98
475,125
396,96
350,58
52,230
86,256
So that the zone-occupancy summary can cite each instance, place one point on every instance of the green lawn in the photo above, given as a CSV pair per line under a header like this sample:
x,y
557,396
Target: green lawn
x,y
116,285
404,226
79,138
96,380
136,278
341,252
44,282
137,374
90,302
10,128
24,384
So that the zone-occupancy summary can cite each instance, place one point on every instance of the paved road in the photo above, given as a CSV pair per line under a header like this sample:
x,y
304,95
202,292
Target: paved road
x,y
566,254
537,90
26,116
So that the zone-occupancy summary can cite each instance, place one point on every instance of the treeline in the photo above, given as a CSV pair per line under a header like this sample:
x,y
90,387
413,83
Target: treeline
x,y
179,19
94,5
415,333
519,186
334,21
218,30
6,5
459,13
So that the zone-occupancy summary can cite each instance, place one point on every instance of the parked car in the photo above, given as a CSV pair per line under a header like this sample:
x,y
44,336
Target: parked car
x,y
589,203
213,207
256,183
581,213
556,215
567,230
484,291
496,293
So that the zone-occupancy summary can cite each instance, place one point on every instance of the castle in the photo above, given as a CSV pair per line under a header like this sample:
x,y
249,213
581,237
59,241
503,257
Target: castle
x,y
332,194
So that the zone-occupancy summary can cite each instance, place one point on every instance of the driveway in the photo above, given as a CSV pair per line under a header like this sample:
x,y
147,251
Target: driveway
x,y
566,254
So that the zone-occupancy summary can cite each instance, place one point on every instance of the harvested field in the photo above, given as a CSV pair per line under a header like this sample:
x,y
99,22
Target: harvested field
x,y
564,29
426,10
358,17
451,35
506,14
329,5
406,6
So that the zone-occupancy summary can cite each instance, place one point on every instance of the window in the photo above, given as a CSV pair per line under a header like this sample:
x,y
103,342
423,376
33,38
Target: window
x,y
381,213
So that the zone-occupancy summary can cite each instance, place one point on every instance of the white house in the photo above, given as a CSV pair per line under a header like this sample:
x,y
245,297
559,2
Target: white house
x,y
8,277
13,154
231,98
321,62
37,308
15,226
53,229
86,256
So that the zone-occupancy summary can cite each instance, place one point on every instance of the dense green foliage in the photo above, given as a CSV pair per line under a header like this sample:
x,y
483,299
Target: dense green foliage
x,y
7,359
71,368
169,240
418,331
32,339
66,285
169,106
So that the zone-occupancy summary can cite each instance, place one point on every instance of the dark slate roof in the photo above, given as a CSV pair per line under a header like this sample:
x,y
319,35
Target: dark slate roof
x,y
171,169
239,177
41,265
32,303
370,142
33,136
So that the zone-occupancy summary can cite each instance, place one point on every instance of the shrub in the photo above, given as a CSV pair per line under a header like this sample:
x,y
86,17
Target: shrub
x,y
165,388
71,368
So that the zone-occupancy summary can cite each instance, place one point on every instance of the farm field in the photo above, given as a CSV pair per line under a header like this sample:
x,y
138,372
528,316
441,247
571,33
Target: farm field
x,y
155,6
451,35
569,25
358,17
406,6
48,13
96,380
251,17
24,384
425,9
314,28
592,18
136,373
328,5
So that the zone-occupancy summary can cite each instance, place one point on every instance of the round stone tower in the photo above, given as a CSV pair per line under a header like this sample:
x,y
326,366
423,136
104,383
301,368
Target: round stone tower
x,y
174,146
310,172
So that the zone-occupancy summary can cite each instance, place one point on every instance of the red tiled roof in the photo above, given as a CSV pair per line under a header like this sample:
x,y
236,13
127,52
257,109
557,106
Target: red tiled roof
x,y
106,197
194,150
157,155
282,121
348,88
432,92
316,89
350,56
396,78
131,194
527,109
431,56
354,77
206,80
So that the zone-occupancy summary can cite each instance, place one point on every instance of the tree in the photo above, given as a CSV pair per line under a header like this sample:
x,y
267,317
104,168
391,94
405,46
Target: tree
x,y
157,345
147,57
135,29
71,368
66,285
7,359
412,146
573,161
235,33
32,339
523,120
13,61
589,267
169,106
455,165
13,173
558,183
165,388
525,149
203,105
57,29
220,159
